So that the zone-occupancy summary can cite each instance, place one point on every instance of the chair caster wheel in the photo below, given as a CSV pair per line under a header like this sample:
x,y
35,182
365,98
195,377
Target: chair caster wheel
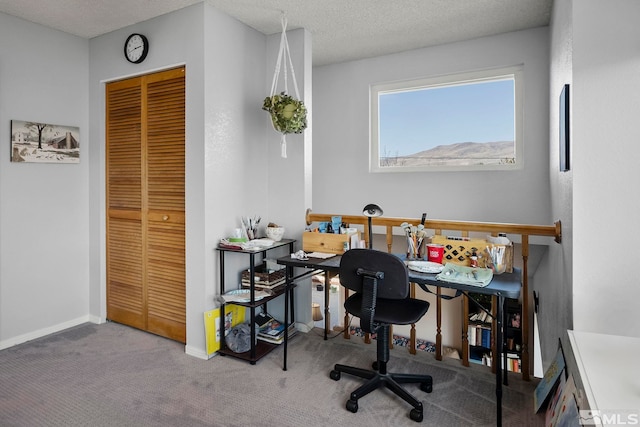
x,y
416,415
426,387
352,405
334,375
374,366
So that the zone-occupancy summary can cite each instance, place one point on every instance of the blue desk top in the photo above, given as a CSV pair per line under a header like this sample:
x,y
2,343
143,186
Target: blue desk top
x,y
507,285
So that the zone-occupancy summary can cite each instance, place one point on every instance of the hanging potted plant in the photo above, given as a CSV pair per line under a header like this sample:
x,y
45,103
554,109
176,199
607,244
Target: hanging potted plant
x,y
288,114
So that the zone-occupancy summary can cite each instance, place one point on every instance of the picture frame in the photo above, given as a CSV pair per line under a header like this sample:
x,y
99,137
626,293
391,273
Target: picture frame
x,y
34,142
564,114
550,380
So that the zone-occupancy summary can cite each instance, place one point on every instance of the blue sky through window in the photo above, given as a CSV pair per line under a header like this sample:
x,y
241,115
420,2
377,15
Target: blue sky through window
x,y
421,119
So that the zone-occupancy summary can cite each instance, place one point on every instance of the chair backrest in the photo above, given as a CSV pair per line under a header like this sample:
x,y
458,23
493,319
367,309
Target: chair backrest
x,y
394,284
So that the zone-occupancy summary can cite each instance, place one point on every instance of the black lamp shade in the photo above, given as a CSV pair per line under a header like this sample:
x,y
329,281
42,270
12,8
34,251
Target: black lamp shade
x,y
371,211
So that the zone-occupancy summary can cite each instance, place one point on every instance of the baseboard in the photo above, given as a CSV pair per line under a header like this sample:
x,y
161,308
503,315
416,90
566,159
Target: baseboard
x,y
196,352
304,327
45,331
97,319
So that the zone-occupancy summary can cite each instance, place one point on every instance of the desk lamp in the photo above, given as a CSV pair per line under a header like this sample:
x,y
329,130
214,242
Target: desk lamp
x,y
371,211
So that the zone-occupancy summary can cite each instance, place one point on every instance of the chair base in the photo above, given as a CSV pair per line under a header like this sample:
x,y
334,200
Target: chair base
x,y
378,378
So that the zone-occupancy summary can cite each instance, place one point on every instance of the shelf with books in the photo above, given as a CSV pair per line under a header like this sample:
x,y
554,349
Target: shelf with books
x,y
480,331
479,327
259,295
513,328
514,363
479,335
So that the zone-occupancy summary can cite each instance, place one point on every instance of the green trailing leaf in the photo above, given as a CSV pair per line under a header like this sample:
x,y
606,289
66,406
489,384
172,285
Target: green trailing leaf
x,y
288,115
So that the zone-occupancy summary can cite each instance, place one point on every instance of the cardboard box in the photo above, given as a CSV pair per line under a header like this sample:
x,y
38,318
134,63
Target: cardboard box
x,y
326,242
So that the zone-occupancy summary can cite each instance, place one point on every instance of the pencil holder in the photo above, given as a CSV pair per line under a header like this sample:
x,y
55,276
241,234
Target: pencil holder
x,y
412,251
497,258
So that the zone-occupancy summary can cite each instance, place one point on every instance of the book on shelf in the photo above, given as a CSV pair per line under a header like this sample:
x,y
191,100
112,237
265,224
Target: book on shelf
x,y
479,335
262,319
472,335
273,331
480,317
513,364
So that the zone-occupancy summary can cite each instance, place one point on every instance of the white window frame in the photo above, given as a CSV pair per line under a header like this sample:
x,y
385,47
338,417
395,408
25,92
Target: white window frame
x,y
514,72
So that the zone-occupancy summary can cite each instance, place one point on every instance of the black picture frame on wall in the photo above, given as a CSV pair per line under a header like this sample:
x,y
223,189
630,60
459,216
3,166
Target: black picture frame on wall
x,y
564,129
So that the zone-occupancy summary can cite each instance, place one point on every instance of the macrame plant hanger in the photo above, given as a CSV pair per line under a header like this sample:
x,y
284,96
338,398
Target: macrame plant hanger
x,y
284,54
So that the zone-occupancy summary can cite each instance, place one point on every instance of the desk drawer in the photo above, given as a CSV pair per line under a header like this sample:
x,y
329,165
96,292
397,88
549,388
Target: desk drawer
x,y
326,242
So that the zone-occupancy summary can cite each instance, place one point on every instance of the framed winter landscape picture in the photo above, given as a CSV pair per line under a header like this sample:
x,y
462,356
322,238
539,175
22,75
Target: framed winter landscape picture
x,y
44,143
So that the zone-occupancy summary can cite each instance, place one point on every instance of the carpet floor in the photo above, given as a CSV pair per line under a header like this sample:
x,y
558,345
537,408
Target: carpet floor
x,y
113,375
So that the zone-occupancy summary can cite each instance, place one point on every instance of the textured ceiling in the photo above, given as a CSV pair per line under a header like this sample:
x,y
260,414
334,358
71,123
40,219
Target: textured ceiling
x,y
341,30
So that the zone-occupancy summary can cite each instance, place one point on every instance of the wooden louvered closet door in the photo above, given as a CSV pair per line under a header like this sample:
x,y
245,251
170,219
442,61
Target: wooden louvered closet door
x,y
145,131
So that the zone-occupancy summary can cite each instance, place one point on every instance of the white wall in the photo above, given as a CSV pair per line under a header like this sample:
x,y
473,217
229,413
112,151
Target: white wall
x,y
606,154
47,210
52,217
288,183
44,208
174,39
343,185
555,313
224,136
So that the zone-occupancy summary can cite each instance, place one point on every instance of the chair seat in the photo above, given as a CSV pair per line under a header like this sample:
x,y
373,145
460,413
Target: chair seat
x,y
391,311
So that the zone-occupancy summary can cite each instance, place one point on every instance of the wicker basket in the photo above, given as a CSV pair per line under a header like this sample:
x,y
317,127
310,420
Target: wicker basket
x,y
264,279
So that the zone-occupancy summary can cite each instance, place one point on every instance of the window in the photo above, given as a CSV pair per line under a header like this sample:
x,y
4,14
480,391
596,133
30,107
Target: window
x,y
460,122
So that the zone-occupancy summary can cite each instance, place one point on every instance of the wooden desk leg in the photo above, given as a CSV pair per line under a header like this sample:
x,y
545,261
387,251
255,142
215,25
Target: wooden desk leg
x,y
412,339
465,330
439,324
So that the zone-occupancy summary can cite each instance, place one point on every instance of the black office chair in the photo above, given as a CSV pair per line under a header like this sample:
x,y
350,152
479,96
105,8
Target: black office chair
x,y
381,284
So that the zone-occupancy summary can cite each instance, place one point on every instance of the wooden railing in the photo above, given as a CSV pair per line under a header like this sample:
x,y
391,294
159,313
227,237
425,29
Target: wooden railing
x,y
463,228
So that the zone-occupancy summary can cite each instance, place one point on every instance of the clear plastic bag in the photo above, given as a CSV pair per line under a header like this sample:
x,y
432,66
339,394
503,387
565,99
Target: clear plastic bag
x,y
239,338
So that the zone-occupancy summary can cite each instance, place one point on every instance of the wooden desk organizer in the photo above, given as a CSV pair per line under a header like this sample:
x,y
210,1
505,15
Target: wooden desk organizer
x,y
325,242
459,251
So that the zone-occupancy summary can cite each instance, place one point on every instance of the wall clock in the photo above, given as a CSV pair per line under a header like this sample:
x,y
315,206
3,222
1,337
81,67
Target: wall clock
x,y
136,48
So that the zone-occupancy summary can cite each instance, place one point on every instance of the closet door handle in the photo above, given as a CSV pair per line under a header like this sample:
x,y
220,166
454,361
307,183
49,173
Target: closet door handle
x,y
165,217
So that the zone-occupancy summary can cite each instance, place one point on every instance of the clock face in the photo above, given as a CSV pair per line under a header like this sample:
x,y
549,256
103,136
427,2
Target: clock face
x,y
136,48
